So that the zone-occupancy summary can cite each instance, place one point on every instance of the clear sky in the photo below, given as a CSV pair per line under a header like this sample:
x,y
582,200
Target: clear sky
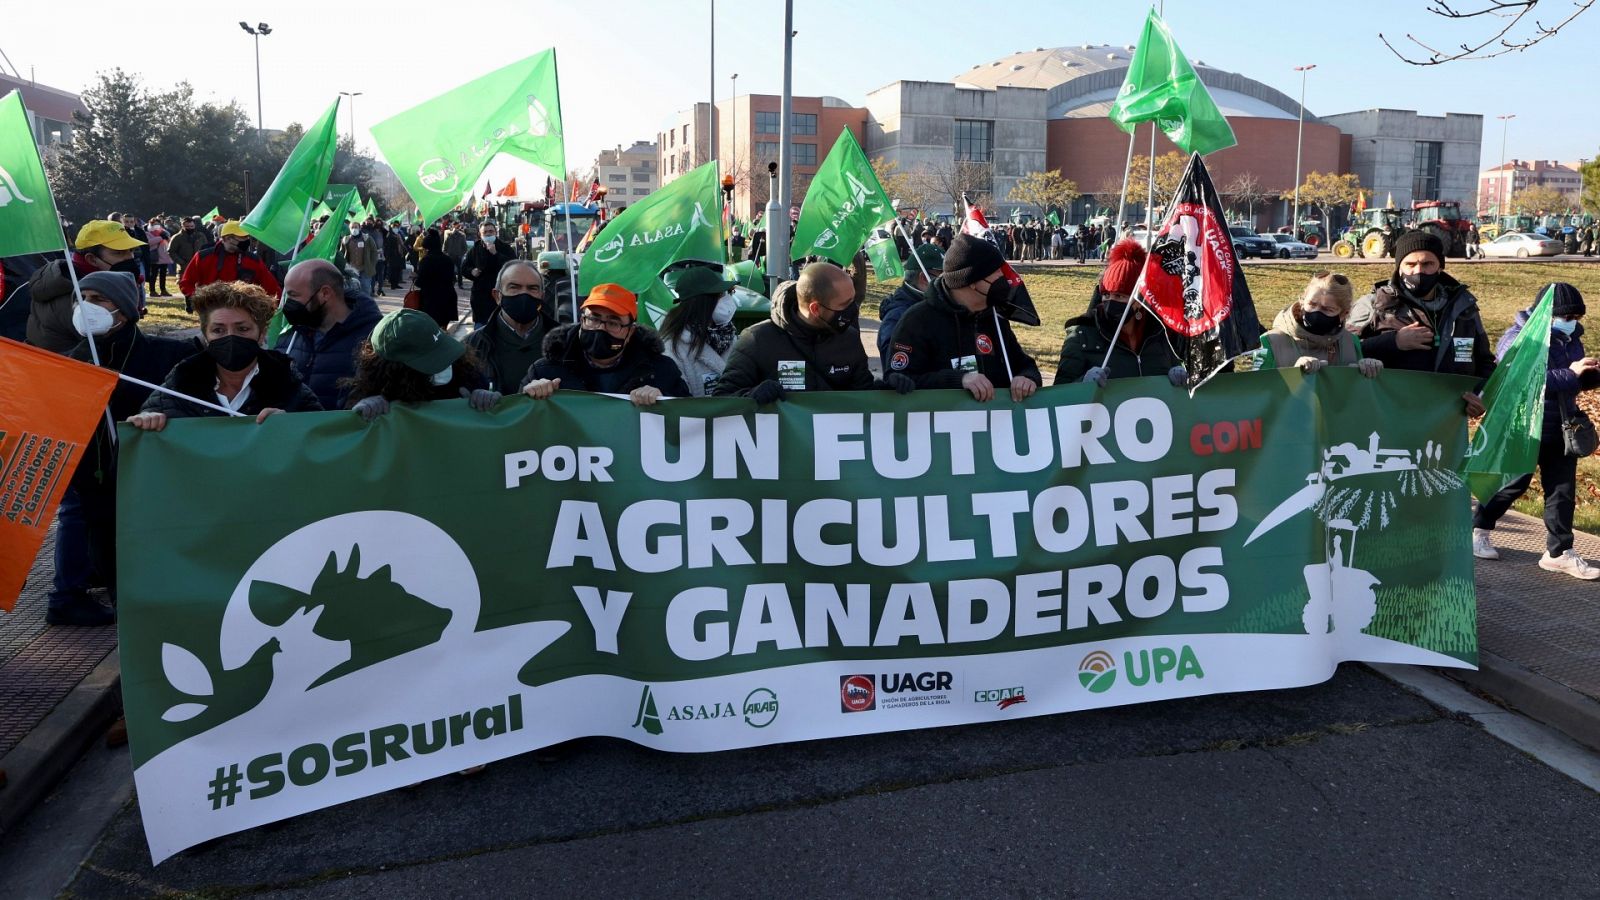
x,y
627,65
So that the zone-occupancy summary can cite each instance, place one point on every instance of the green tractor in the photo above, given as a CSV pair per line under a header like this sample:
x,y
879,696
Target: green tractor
x,y
1442,219
1489,229
1364,237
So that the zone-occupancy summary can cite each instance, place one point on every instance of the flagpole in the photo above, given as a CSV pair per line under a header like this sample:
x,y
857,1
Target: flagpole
x,y
914,255
283,289
1001,340
172,393
1150,195
1127,169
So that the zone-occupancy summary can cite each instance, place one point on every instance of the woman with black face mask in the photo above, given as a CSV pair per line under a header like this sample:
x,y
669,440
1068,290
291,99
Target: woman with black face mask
x,y
1310,335
232,369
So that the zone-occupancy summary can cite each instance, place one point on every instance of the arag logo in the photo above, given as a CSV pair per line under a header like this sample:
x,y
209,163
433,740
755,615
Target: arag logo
x,y
760,708
857,693
1097,672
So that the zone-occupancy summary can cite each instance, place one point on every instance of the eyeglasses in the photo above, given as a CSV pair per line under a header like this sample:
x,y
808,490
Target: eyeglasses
x,y
614,326
1337,278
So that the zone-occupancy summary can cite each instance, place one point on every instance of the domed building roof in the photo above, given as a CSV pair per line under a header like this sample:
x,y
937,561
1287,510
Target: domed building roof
x,y
1083,80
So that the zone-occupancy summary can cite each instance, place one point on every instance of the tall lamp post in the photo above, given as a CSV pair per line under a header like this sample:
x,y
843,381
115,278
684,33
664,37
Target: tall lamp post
x,y
260,30
352,95
1505,187
733,127
1299,140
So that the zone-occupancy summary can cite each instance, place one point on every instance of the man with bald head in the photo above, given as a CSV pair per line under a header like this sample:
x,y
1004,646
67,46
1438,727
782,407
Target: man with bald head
x,y
811,343
510,343
326,328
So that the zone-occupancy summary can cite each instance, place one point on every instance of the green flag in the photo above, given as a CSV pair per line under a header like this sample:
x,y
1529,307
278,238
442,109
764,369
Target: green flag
x,y
1053,219
885,257
843,206
28,220
441,147
1162,87
353,210
323,209
670,225
325,245
278,219
212,215
1506,443
372,209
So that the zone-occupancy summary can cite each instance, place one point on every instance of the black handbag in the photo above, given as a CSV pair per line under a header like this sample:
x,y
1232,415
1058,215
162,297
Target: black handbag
x,y
1577,432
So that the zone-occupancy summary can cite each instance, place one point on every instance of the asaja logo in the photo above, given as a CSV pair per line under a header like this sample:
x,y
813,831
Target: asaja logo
x,y
857,693
610,250
538,117
647,717
9,189
1097,672
760,708
439,175
827,240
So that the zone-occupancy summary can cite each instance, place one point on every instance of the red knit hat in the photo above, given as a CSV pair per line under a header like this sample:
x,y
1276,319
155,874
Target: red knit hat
x,y
1125,262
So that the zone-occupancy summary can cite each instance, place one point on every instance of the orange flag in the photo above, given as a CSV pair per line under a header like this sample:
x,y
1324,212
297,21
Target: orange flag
x,y
510,190
49,408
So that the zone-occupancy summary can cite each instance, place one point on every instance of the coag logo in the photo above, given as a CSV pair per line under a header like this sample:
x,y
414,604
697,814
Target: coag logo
x,y
760,708
439,176
1005,698
1097,672
857,693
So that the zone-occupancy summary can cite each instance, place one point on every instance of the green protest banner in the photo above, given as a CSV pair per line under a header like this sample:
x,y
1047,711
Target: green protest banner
x,y
705,575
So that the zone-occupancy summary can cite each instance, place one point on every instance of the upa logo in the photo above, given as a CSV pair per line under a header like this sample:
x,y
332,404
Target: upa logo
x,y
610,250
760,708
439,175
1097,672
9,189
857,693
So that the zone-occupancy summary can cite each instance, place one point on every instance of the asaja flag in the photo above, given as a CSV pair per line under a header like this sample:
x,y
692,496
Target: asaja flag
x,y
443,145
28,220
323,245
49,408
1163,88
279,219
1019,308
843,206
671,225
885,256
1053,219
1506,442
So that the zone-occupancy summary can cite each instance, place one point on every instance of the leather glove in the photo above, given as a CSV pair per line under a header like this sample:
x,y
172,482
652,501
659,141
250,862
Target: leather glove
x,y
1370,367
371,407
900,383
768,391
1096,375
1309,364
480,399
1178,375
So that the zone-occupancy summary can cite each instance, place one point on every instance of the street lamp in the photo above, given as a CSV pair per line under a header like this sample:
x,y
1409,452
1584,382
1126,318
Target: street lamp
x,y
733,126
261,30
352,95
1299,139
1505,126
727,203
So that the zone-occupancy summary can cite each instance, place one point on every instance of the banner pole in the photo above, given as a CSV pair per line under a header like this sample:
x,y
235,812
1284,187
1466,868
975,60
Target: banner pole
x,y
902,229
172,393
1122,202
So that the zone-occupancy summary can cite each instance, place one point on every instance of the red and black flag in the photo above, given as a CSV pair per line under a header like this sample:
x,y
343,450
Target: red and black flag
x,y
1019,306
1191,279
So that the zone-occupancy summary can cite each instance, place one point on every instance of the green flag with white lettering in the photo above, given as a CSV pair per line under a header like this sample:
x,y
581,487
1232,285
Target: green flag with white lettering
x,y
1506,443
1162,87
28,220
439,148
325,245
671,225
278,220
843,206
885,256
1053,219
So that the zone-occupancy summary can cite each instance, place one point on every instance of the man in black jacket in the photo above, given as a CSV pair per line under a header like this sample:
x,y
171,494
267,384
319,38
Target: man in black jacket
x,y
326,328
607,352
956,338
812,342
508,346
1424,320
482,265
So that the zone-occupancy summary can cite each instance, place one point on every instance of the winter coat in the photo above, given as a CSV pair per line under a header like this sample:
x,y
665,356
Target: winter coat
x,y
324,358
183,245
1289,340
490,344
436,279
1461,346
455,244
51,301
361,253
487,259
213,264
939,341
1089,336
890,312
643,364
138,355
1561,384
830,361
274,386
701,370
161,246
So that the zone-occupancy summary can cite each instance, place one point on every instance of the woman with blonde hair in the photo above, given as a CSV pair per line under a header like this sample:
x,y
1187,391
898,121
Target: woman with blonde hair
x,y
1310,333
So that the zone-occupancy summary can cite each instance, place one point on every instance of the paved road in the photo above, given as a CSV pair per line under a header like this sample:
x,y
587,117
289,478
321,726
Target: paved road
x,y
1356,786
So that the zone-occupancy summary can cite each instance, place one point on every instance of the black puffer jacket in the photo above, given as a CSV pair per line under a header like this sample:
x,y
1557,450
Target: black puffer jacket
x,y
1088,337
1461,346
643,364
833,362
134,353
937,335
275,386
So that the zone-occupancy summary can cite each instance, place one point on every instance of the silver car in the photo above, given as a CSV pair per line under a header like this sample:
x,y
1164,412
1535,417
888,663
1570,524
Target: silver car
x,y
1289,248
1521,245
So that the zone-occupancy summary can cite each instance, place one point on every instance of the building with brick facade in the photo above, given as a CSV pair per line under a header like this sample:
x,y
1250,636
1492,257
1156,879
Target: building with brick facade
x,y
1496,185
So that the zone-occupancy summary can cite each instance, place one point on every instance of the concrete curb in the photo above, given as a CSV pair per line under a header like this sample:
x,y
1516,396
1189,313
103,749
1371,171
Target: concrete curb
x,y
54,746
1573,714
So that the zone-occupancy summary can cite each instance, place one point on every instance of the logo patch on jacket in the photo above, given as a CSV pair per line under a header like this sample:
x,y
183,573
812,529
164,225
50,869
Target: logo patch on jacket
x,y
985,346
899,360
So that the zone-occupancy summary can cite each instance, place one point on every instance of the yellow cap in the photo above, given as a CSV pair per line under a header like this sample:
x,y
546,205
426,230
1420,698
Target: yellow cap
x,y
232,227
105,233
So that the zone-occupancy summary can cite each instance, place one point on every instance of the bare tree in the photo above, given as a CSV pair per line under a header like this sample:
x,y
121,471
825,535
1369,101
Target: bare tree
x,y
1507,39
974,179
1245,191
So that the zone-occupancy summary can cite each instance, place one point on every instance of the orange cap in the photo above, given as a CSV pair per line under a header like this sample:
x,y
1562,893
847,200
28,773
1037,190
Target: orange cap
x,y
614,297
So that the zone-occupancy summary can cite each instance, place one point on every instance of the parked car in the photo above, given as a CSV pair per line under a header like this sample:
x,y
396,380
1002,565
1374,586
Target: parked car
x,y
1289,248
1247,243
1521,245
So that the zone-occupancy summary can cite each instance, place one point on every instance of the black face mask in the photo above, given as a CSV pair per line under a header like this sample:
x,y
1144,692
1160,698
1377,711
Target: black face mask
x,y
233,352
1318,322
127,265
600,344
1419,285
299,315
999,294
841,321
521,308
1115,309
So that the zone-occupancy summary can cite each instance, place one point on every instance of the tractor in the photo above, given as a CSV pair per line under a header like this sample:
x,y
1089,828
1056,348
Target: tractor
x,y
1491,228
1442,219
1364,237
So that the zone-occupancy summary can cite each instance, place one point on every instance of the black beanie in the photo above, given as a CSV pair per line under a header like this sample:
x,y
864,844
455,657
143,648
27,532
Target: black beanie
x,y
1567,302
970,260
1412,241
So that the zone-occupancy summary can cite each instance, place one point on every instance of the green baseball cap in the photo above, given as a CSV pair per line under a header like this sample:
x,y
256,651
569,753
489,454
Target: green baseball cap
x,y
410,337
932,258
693,282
